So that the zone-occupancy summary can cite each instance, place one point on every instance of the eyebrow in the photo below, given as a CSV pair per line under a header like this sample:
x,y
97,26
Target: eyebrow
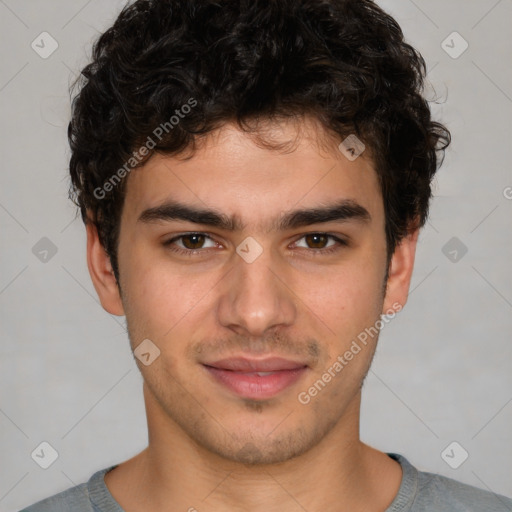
x,y
344,210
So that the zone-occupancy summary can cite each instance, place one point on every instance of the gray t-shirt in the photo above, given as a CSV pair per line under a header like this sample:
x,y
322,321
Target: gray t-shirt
x,y
419,492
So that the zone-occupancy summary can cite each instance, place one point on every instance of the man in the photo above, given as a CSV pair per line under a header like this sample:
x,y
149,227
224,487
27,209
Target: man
x,y
253,177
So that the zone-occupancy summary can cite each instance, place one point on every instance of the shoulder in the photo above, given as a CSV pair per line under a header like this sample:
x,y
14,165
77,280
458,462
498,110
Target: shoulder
x,y
91,496
443,493
429,492
75,498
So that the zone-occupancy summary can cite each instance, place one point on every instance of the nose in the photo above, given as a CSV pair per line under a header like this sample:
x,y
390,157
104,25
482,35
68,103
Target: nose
x,y
256,298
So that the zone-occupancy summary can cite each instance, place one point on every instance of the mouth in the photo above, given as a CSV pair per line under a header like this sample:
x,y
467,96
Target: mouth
x,y
256,379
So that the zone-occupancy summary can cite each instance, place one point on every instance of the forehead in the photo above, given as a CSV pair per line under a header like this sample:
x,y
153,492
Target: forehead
x,y
256,176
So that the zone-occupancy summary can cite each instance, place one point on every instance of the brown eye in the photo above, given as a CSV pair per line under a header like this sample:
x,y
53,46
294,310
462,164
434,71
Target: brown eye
x,y
190,244
317,240
321,243
193,241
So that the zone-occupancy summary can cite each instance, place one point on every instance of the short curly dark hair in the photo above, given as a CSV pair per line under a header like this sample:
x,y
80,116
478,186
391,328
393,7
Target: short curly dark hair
x,y
343,62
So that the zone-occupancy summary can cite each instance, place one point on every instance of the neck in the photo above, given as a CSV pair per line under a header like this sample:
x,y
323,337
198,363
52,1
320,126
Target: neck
x,y
174,473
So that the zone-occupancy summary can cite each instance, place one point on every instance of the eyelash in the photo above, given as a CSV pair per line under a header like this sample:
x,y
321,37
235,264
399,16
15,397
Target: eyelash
x,y
191,252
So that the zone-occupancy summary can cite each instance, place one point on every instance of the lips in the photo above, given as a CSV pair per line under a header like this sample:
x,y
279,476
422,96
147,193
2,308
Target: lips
x,y
241,364
256,379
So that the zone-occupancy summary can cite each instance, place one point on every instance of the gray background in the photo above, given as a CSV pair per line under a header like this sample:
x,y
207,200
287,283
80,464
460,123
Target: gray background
x,y
442,372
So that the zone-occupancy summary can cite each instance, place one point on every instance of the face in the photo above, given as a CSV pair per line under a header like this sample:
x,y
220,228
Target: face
x,y
252,272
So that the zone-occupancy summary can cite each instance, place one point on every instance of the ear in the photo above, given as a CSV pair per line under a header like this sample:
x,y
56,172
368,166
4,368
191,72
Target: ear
x,y
102,274
400,272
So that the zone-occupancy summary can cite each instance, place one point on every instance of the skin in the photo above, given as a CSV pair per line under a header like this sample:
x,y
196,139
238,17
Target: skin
x,y
210,449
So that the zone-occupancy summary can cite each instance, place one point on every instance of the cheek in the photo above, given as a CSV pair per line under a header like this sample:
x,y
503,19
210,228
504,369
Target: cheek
x,y
349,308
161,296
346,298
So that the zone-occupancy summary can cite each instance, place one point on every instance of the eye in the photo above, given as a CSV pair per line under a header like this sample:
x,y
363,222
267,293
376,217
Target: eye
x,y
317,240
320,241
189,243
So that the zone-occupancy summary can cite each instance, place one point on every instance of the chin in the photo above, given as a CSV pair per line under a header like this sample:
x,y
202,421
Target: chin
x,y
263,450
